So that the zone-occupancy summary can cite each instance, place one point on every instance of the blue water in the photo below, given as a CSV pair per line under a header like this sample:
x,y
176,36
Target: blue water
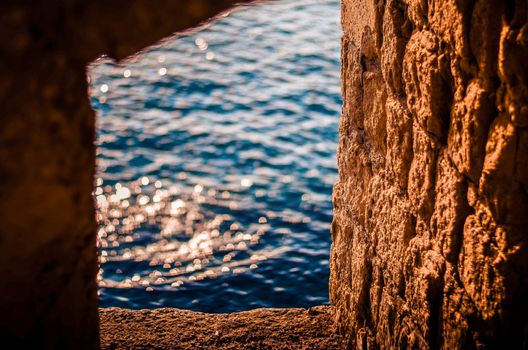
x,y
216,160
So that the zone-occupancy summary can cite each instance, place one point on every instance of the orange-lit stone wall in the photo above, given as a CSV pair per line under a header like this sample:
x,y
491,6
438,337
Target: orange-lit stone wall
x,y
431,208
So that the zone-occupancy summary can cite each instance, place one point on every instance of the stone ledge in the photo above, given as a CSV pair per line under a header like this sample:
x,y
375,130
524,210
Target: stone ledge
x,y
312,328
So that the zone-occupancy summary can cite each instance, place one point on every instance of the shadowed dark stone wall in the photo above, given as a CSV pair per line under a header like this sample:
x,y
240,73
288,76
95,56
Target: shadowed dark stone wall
x,y
48,258
431,207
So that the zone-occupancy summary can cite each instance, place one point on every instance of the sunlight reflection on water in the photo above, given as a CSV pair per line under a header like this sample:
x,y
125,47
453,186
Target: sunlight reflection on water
x,y
216,160
192,244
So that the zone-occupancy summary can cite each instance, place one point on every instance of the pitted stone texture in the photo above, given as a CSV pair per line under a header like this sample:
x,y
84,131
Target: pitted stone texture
x,y
431,208
285,329
48,258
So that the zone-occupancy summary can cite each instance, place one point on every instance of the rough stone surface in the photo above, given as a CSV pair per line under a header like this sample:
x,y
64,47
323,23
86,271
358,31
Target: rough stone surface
x,y
431,207
312,328
48,259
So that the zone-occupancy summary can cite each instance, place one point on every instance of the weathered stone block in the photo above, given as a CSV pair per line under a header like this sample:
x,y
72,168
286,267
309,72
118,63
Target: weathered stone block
x,y
431,207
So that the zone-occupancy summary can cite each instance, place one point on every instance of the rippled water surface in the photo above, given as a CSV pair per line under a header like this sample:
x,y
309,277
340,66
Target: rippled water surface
x,y
216,160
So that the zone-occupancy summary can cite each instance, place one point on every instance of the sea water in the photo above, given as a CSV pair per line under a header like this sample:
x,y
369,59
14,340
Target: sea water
x,y
216,160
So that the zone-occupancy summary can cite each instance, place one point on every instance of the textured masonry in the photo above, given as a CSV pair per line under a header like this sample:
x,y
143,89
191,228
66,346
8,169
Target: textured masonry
x,y
431,207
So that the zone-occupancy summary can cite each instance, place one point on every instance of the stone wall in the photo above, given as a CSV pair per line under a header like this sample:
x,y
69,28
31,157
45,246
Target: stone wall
x,y
431,207
48,258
